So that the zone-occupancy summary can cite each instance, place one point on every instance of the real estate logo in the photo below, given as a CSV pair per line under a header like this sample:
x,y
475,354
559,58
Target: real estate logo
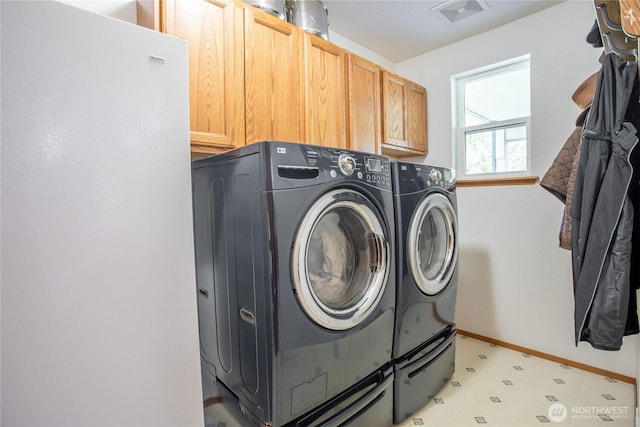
x,y
557,412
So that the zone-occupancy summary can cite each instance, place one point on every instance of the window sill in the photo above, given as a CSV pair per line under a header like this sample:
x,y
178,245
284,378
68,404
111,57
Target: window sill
x,y
490,182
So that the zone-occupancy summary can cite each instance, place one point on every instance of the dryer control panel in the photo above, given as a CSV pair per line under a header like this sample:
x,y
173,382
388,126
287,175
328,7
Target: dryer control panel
x,y
413,177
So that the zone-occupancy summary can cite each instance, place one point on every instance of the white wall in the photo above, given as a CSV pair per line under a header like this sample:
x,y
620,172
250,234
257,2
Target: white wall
x,y
515,282
351,46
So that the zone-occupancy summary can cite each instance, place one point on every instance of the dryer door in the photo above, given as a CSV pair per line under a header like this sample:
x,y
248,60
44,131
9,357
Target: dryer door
x,y
432,243
340,259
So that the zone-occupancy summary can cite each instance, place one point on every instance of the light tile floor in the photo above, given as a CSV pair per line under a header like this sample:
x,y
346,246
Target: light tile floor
x,y
495,386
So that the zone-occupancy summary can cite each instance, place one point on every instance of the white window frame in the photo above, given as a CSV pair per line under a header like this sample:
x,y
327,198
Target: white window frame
x,y
459,132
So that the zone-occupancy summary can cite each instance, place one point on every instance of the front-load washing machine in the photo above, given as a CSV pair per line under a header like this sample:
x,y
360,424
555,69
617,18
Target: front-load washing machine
x,y
295,272
427,260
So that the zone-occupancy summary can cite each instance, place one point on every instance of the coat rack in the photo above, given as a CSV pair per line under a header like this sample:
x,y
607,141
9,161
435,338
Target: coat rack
x,y
615,37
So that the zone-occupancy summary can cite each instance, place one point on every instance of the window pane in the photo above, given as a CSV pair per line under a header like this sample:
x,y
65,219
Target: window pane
x,y
503,96
479,153
496,150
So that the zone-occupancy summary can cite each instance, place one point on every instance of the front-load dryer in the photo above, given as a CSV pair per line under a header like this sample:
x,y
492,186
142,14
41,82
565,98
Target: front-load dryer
x,y
427,281
295,273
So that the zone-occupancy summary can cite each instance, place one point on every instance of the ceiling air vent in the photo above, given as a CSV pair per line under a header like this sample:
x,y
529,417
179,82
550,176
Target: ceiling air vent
x,y
456,10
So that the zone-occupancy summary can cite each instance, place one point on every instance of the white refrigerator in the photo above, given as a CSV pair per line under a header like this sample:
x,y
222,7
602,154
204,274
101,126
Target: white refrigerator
x,y
97,285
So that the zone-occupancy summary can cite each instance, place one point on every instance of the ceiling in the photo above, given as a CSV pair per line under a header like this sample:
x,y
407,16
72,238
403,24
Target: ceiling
x,y
401,29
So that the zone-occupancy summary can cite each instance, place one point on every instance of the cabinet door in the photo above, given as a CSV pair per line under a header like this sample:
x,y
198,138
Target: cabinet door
x,y
325,94
216,102
272,78
394,104
363,105
417,118
404,106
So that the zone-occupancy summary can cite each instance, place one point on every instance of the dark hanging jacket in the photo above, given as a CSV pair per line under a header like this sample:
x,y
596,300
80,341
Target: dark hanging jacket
x,y
603,212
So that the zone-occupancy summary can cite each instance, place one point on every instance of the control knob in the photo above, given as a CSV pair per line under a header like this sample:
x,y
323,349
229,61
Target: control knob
x,y
347,164
435,175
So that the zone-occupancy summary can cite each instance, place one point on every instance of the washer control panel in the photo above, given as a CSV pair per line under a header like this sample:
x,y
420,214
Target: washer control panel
x,y
294,163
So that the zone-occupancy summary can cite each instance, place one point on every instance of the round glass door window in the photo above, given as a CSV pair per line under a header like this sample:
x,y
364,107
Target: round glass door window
x,y
432,244
340,259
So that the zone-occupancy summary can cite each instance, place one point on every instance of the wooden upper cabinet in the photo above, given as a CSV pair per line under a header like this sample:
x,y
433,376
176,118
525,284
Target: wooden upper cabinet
x,y
255,77
363,105
325,92
394,104
216,101
272,78
417,118
404,112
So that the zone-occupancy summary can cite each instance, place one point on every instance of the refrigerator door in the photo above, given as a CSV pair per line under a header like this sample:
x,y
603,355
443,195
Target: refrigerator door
x,y
98,309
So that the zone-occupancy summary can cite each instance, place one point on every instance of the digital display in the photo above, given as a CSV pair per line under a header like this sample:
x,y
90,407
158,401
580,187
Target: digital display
x,y
374,165
448,176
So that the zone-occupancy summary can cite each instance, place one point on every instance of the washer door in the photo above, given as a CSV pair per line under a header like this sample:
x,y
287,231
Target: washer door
x,y
340,259
432,243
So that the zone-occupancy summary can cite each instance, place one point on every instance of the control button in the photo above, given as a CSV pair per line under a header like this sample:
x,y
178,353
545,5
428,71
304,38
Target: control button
x,y
333,173
347,164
